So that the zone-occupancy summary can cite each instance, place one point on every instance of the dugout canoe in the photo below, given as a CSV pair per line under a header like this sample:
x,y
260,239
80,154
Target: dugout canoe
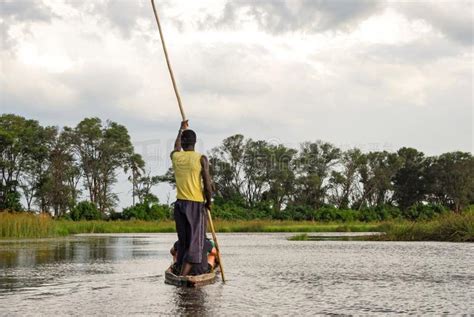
x,y
190,280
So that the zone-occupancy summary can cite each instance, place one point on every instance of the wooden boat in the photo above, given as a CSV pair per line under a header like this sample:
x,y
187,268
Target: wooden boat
x,y
190,280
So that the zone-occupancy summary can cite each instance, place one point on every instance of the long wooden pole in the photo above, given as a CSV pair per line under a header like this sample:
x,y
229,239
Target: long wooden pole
x,y
211,224
183,116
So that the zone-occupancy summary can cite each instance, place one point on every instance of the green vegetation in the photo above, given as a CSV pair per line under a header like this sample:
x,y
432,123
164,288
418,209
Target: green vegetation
x,y
46,165
85,211
447,227
30,226
50,169
260,176
147,210
260,186
24,225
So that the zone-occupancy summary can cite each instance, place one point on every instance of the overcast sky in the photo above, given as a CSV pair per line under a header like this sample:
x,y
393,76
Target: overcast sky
x,y
377,75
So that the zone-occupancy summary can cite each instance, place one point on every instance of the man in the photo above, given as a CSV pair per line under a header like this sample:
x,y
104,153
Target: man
x,y
193,194
208,263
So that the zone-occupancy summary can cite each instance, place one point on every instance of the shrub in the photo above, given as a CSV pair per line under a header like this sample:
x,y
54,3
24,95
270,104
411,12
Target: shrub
x,y
297,213
424,212
115,215
146,211
230,211
85,210
326,214
11,202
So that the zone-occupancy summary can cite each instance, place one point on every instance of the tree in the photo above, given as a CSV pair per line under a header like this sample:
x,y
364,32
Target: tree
x,y
144,186
256,170
408,183
63,177
344,183
281,175
314,164
19,139
240,169
102,150
136,165
226,167
34,178
450,179
376,172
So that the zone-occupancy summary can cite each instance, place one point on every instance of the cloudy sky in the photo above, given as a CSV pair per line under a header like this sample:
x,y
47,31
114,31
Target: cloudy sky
x,y
377,75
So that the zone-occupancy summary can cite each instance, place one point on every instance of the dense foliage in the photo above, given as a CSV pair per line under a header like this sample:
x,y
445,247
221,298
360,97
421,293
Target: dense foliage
x,y
46,166
85,211
320,181
146,211
53,168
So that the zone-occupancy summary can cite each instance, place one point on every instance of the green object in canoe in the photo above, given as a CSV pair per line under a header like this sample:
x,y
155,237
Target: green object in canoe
x,y
190,280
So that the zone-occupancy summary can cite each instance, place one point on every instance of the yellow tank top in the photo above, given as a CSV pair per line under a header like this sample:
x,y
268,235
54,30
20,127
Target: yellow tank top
x,y
187,170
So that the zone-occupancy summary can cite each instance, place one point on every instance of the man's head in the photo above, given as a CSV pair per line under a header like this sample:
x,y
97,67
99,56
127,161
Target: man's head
x,y
188,139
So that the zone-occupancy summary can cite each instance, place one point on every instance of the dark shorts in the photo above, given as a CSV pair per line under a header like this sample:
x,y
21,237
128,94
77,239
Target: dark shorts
x,y
191,219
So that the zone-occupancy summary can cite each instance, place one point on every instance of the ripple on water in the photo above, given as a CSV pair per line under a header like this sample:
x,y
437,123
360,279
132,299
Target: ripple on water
x,y
123,275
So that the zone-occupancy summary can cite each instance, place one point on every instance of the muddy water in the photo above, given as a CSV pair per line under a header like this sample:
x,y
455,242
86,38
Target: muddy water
x,y
124,274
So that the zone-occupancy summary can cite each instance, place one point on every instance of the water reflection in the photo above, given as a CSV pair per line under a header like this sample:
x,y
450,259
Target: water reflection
x,y
32,263
190,301
81,250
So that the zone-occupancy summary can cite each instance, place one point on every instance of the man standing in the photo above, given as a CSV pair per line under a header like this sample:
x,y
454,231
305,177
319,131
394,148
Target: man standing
x,y
193,194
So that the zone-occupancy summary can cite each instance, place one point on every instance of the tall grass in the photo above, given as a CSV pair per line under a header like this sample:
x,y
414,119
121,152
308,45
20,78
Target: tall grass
x,y
293,226
24,225
449,227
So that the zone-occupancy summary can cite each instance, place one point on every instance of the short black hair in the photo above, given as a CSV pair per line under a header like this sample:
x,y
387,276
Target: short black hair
x,y
188,137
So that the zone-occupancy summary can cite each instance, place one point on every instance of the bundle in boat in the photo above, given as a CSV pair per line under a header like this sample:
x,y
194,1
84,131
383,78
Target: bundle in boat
x,y
190,280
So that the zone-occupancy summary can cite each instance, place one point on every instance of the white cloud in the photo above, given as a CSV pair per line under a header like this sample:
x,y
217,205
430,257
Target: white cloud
x,y
383,73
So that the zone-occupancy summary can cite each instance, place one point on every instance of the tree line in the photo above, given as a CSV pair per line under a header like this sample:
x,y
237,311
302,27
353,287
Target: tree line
x,y
51,169
318,174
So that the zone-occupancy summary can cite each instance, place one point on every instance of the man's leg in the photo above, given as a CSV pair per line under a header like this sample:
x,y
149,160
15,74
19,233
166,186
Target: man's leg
x,y
186,268
181,230
197,221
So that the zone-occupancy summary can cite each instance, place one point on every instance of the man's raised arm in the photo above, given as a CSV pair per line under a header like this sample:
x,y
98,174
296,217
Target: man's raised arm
x,y
177,143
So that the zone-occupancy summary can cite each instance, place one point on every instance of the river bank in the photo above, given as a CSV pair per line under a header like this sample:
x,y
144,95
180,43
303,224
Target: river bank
x,y
449,227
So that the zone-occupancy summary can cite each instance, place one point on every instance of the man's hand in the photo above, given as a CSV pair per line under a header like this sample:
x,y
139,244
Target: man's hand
x,y
184,125
207,205
177,143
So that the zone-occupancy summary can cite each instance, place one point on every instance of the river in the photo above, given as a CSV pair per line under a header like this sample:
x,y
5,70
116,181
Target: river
x,y
266,274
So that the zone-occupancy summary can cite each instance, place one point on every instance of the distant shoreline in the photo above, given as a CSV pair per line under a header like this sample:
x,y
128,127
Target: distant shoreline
x,y
451,227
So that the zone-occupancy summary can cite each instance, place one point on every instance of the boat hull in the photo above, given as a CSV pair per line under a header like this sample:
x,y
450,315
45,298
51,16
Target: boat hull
x,y
189,281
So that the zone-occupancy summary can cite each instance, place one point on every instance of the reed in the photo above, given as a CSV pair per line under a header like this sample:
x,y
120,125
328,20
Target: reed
x,y
75,227
449,227
25,225
293,226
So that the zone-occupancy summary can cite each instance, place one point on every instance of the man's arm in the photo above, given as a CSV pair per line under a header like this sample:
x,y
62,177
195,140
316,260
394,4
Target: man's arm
x,y
206,177
177,143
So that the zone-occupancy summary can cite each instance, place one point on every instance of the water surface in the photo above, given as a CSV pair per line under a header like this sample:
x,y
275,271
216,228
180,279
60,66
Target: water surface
x,y
124,274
